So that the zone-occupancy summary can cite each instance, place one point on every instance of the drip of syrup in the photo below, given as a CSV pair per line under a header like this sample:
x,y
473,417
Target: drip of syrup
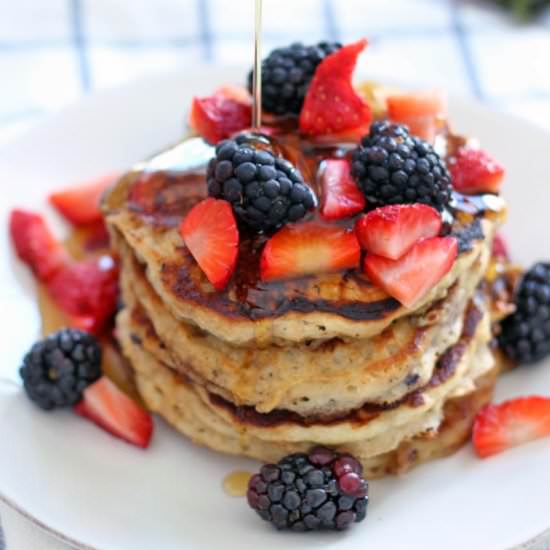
x,y
257,70
235,484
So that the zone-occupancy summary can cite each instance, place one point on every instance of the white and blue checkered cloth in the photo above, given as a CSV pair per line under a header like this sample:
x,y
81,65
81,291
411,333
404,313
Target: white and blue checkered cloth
x,y
54,51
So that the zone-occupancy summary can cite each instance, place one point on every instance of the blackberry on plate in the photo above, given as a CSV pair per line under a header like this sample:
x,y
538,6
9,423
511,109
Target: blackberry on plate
x,y
57,369
393,167
265,191
286,74
322,490
525,335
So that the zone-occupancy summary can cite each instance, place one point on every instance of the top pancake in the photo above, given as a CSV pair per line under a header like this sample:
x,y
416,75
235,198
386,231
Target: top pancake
x,y
147,205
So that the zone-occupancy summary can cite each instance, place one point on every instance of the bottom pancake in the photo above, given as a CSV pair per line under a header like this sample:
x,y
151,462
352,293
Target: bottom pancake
x,y
178,401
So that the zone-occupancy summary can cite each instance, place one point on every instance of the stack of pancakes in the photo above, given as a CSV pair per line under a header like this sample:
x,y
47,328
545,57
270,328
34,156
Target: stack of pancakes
x,y
266,369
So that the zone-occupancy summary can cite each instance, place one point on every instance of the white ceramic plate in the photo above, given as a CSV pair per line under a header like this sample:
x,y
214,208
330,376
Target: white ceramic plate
x,y
97,491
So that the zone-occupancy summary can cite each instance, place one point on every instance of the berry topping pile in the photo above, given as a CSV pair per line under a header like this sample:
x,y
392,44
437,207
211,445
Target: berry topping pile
x,y
286,74
58,369
393,167
525,335
265,191
322,490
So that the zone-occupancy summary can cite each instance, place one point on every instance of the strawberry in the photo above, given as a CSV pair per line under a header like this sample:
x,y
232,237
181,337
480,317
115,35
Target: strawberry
x,y
331,104
412,276
475,171
219,116
341,196
421,112
500,427
500,248
35,244
87,290
210,233
391,231
307,248
111,409
80,204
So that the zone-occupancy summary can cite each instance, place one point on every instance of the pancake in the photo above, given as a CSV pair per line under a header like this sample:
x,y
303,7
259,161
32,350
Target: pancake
x,y
180,402
146,206
299,378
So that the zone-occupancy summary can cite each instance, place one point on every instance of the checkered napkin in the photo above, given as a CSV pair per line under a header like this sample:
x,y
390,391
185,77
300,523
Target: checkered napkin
x,y
54,51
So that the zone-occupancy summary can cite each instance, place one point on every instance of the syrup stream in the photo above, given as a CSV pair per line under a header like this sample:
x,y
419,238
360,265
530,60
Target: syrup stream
x,y
257,71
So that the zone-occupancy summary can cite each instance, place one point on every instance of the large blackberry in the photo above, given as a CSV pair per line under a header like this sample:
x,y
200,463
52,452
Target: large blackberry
x,y
265,191
322,490
525,334
57,369
393,167
286,74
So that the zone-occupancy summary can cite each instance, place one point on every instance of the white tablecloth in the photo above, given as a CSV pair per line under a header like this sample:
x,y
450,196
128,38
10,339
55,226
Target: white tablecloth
x,y
54,51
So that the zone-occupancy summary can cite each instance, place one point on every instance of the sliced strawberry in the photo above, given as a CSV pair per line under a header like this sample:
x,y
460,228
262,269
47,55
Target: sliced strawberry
x,y
210,233
80,204
393,230
219,116
421,112
500,427
475,171
341,196
331,104
306,248
412,276
35,244
111,409
87,290
500,248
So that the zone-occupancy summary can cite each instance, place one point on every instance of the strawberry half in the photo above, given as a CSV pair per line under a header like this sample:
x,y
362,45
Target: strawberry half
x,y
391,231
341,197
87,290
512,423
221,115
475,171
420,111
331,104
35,244
80,204
412,276
111,409
211,235
306,248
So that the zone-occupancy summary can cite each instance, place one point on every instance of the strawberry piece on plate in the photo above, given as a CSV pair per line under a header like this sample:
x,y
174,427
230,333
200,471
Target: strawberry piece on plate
x,y
341,196
331,104
35,244
475,171
210,233
391,231
111,409
87,290
219,116
420,111
411,277
500,248
80,204
512,423
307,248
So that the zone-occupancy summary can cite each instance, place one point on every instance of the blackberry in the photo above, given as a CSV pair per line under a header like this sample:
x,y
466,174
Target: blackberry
x,y
57,369
525,335
286,74
393,167
265,191
322,490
